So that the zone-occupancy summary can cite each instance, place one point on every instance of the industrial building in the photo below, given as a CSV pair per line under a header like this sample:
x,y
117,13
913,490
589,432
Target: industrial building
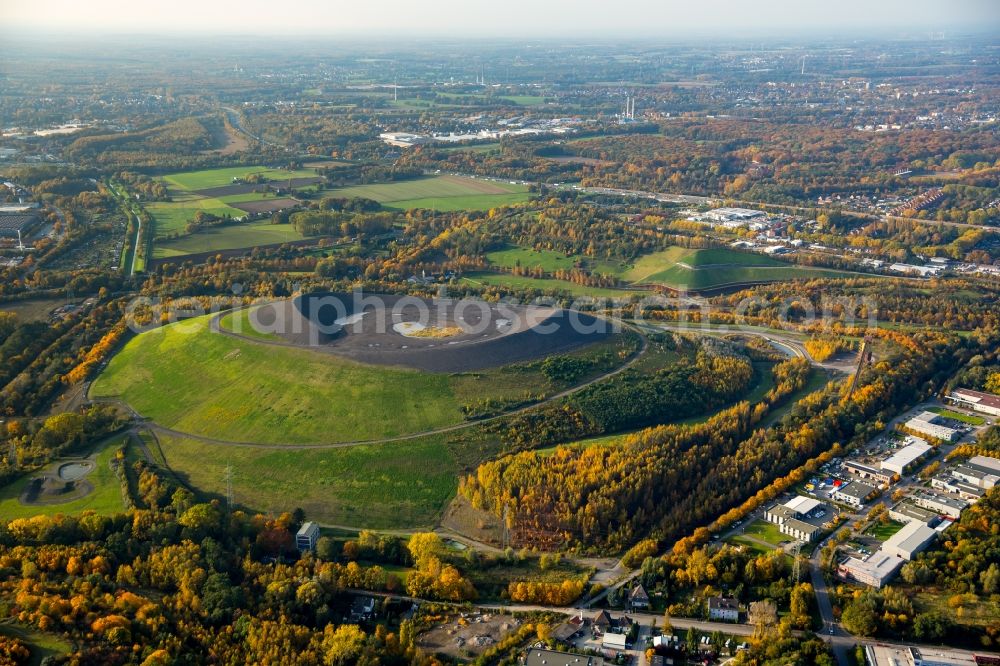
x,y
987,403
797,507
951,483
925,424
854,494
905,458
881,654
733,218
910,540
613,641
305,538
945,505
882,477
875,570
982,470
906,511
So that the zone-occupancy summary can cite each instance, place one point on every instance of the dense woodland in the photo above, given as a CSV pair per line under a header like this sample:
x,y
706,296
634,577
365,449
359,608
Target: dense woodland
x,y
103,583
675,477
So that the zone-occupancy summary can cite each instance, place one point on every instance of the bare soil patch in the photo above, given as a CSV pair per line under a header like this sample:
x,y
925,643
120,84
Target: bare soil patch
x,y
61,482
467,634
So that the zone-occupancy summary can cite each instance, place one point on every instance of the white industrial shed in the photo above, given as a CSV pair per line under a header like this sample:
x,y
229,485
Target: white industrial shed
x,y
899,461
910,540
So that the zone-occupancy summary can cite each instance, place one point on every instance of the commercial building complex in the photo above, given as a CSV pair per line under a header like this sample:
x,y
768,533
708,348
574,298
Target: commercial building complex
x,y
987,403
790,517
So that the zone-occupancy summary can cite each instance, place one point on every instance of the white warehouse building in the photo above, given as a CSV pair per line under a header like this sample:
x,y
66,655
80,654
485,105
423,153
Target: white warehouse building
x,y
910,540
901,460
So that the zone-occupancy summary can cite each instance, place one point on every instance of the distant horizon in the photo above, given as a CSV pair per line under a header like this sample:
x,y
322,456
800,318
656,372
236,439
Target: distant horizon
x,y
624,39
514,20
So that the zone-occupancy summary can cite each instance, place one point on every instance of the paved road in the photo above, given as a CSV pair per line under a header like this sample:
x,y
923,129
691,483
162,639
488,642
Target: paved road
x,y
842,643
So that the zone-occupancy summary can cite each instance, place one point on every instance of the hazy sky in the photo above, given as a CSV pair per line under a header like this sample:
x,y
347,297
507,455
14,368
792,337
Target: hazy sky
x,y
495,17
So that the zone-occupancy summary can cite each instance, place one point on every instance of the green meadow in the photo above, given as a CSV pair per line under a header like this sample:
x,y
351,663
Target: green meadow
x,y
228,237
206,178
171,217
186,377
106,497
438,192
549,261
398,484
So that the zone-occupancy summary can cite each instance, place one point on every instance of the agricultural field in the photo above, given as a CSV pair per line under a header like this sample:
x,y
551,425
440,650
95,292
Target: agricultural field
x,y
106,497
524,100
200,180
33,309
380,486
439,193
170,217
228,237
186,377
212,191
